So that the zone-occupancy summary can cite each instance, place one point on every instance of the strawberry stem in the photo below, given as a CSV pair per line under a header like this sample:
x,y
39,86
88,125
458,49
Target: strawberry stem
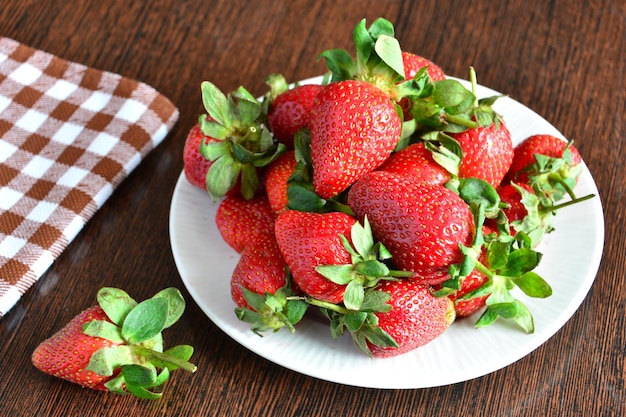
x,y
461,121
567,203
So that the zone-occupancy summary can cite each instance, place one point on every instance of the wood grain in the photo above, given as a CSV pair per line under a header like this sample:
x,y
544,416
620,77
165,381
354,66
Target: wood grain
x,y
564,59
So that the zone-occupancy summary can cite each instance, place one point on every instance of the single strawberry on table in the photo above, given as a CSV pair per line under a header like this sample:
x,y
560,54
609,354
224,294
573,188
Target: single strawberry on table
x,y
117,345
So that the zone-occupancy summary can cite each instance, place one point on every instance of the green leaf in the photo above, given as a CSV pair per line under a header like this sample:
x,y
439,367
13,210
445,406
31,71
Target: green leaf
x,y
146,320
362,238
372,268
214,149
213,129
141,392
142,376
363,42
249,181
498,254
339,274
381,26
452,96
303,199
388,49
176,304
104,329
486,319
379,337
340,63
249,108
519,262
376,301
354,320
105,360
517,312
353,296
222,176
116,303
474,190
182,352
533,285
296,310
216,104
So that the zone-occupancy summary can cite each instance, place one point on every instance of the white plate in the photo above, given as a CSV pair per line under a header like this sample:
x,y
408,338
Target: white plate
x,y
571,259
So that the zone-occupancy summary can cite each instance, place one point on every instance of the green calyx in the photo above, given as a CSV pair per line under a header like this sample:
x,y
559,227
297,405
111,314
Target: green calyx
x,y
378,56
366,269
509,261
300,193
241,142
135,328
271,312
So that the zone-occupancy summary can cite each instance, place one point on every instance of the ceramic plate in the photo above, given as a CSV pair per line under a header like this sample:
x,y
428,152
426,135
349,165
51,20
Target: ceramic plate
x,y
571,259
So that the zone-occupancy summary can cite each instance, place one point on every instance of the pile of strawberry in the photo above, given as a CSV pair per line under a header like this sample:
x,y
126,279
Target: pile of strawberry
x,y
389,197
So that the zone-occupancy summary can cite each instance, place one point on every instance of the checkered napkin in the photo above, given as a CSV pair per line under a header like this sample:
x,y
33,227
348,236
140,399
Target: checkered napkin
x,y
69,135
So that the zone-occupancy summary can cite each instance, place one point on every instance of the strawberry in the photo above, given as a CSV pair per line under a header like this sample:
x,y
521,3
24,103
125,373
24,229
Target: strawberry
x,y
240,221
276,176
195,165
242,143
261,269
487,152
416,317
289,112
417,162
511,195
421,225
413,63
401,315
354,128
308,240
524,156
467,307
117,345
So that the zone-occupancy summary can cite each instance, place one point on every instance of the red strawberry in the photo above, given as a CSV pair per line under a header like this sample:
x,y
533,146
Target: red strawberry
x,y
354,128
524,155
413,63
276,176
93,349
511,195
308,240
487,152
416,162
240,221
289,112
421,225
195,165
416,318
261,269
465,308
67,353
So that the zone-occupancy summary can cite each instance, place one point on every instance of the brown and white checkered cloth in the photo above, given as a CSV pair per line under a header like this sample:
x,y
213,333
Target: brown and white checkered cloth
x,y
69,134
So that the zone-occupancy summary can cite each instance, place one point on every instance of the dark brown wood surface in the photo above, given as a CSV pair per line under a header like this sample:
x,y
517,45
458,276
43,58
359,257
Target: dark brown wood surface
x,y
565,59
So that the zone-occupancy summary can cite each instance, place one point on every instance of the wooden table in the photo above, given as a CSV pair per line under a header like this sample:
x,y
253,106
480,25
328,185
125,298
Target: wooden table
x,y
564,59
